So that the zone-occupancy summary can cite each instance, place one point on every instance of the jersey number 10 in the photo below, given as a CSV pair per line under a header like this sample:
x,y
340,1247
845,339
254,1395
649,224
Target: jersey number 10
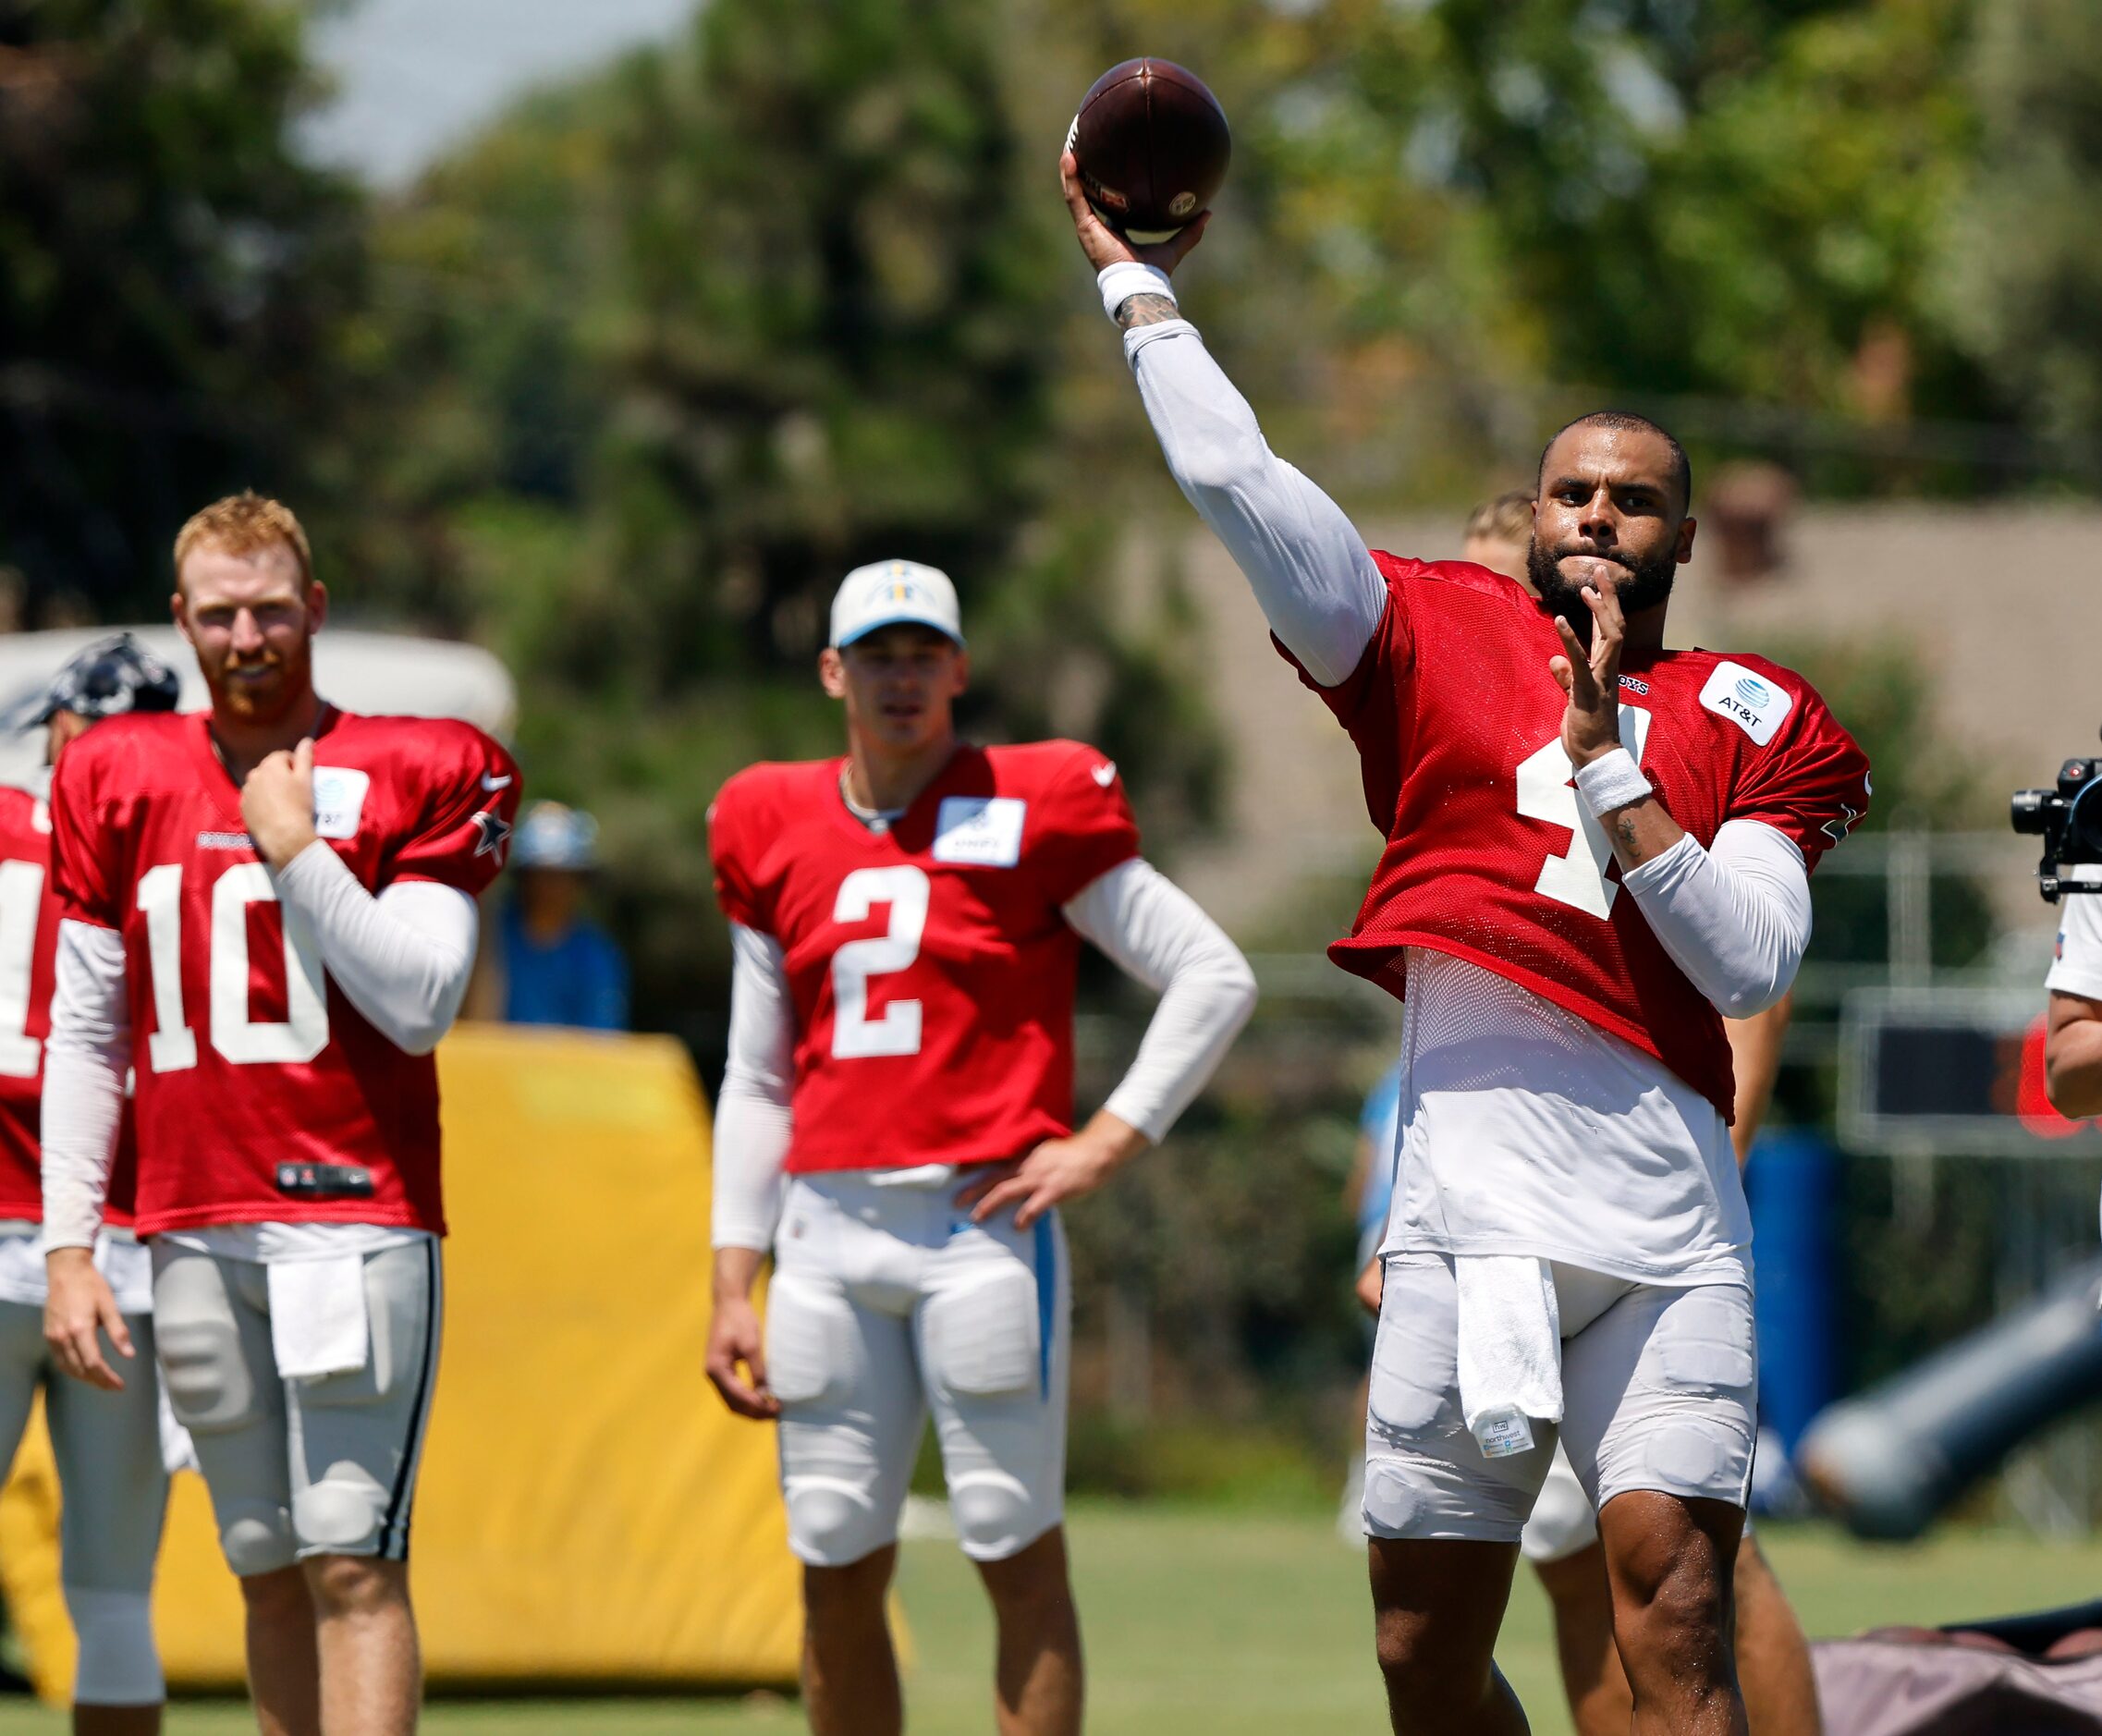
x,y
300,1035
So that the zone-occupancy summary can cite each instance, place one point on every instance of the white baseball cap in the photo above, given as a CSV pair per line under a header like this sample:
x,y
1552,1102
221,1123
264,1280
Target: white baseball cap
x,y
887,592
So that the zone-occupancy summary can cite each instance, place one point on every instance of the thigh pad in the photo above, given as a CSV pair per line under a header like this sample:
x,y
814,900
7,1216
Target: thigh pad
x,y
812,1341
982,1334
219,1376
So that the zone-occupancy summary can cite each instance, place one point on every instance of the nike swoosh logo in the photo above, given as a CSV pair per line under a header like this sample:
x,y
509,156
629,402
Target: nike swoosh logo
x,y
494,783
1105,774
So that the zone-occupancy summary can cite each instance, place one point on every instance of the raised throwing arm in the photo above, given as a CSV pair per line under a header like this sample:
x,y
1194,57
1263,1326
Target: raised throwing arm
x,y
1309,567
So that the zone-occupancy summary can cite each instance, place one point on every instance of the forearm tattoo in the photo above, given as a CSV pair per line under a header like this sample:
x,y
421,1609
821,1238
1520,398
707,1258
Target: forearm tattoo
x,y
1146,310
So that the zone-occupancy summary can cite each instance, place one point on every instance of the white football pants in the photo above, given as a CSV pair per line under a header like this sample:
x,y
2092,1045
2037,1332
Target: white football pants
x,y
886,1301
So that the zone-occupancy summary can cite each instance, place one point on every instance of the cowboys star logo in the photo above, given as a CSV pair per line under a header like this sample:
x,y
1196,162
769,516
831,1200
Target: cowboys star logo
x,y
494,832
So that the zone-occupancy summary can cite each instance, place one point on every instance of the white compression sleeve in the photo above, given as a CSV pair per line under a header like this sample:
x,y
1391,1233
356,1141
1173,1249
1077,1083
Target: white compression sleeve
x,y
1309,567
403,957
752,1117
84,1060
1736,918
1155,931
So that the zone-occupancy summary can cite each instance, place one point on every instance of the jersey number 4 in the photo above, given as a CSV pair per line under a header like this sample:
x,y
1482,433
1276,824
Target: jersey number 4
x,y
856,1037
300,1035
1577,877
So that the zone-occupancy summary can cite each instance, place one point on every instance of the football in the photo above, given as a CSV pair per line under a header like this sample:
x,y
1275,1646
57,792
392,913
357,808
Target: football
x,y
1152,145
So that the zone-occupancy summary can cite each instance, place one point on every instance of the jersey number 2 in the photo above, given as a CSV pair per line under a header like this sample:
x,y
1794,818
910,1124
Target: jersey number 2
x,y
300,1035
1577,877
856,1037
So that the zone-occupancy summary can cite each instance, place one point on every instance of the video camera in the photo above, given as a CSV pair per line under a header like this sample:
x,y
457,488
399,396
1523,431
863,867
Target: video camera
x,y
2068,819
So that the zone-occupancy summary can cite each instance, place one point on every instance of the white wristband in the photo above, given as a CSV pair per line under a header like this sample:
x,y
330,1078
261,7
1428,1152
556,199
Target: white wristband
x,y
1126,278
1612,780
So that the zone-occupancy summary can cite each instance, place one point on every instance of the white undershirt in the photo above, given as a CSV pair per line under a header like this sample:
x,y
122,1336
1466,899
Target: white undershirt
x,y
402,959
1524,1128
126,1265
2078,968
1147,926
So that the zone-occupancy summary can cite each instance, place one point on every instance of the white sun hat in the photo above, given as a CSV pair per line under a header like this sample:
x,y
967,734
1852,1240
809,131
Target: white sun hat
x,y
890,593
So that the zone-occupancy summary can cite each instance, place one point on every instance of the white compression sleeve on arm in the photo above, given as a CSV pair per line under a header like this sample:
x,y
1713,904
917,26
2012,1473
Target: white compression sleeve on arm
x,y
1735,918
403,957
1155,931
1309,567
752,1118
84,1060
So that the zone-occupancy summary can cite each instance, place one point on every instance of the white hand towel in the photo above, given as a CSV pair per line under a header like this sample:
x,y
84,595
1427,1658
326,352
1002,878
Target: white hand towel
x,y
178,1452
317,1315
1511,1348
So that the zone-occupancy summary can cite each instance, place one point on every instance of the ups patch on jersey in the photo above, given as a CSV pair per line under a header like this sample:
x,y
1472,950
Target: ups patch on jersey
x,y
979,831
1749,700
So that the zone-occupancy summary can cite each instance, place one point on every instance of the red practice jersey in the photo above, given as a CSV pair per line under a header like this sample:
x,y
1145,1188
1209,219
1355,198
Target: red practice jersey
x,y
1491,857
931,970
251,1065
29,944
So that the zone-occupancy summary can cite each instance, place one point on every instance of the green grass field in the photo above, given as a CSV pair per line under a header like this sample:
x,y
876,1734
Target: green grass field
x,y
1231,1624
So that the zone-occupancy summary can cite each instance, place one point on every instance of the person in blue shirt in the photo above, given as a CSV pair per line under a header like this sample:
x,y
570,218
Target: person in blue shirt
x,y
1374,1181
559,967
1369,1192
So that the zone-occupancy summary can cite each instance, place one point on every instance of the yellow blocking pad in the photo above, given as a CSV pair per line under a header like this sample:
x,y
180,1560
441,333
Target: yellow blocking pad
x,y
588,1511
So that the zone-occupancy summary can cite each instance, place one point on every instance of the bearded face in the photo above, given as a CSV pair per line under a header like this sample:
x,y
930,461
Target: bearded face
x,y
1644,580
250,618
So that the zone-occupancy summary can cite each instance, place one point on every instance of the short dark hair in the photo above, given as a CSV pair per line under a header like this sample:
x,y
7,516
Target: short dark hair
x,y
1627,421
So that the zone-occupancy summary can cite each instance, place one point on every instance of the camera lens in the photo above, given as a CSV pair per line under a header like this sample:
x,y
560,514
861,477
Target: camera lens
x,y
2086,827
2026,811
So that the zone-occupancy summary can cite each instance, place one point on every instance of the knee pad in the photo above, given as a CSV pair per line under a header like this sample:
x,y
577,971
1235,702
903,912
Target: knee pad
x,y
256,1538
832,1522
996,1515
340,1515
118,1664
209,1384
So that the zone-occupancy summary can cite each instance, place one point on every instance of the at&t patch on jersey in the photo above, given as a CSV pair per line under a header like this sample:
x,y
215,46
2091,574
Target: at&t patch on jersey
x,y
339,800
979,831
1749,700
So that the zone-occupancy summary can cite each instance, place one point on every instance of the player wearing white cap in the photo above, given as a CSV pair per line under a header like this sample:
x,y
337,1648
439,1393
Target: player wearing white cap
x,y
895,1127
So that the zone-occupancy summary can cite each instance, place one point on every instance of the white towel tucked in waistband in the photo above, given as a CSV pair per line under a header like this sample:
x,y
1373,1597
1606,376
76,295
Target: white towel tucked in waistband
x,y
1511,1348
317,1315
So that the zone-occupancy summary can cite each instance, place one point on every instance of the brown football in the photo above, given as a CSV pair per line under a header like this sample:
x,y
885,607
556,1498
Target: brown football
x,y
1152,145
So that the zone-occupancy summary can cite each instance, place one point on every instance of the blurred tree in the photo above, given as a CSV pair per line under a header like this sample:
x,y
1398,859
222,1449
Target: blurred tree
x,y
1700,199
687,341
175,286
2022,274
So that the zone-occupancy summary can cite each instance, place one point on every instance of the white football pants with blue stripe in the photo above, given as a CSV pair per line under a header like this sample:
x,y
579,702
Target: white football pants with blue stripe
x,y
887,1303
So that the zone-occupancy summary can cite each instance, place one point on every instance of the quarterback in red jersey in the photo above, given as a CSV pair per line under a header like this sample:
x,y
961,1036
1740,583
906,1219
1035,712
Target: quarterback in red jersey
x,y
896,1125
268,916
108,1444
1596,847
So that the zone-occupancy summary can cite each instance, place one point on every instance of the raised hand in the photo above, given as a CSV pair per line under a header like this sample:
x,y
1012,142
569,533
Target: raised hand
x,y
1103,246
1591,724
277,803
